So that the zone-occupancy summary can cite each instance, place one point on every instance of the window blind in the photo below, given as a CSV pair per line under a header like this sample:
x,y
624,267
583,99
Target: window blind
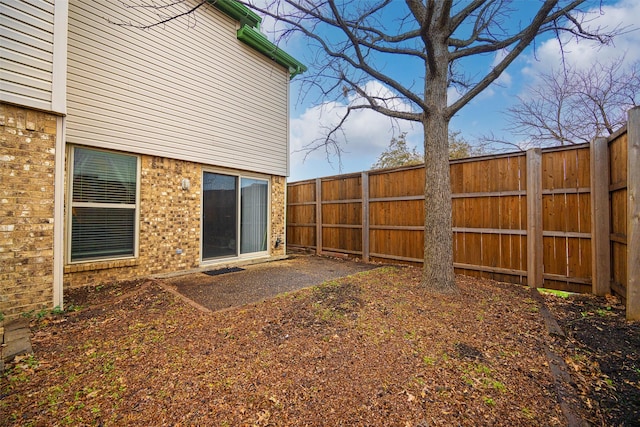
x,y
103,204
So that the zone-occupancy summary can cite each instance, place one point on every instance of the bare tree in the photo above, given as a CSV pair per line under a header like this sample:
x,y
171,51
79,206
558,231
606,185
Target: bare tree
x,y
570,105
357,41
353,42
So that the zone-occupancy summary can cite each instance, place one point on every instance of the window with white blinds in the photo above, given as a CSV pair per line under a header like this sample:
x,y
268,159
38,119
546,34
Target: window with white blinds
x,y
103,205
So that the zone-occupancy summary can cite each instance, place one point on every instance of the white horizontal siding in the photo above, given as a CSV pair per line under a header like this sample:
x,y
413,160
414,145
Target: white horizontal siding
x,y
187,90
22,14
21,52
26,53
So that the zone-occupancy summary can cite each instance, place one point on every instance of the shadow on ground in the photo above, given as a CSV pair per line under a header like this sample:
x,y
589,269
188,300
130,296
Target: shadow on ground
x,y
261,281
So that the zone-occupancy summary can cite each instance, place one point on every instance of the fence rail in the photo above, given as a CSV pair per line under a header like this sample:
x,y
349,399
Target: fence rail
x,y
563,218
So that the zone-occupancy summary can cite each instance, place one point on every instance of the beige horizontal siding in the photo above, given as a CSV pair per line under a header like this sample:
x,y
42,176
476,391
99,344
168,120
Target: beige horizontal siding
x,y
26,53
187,90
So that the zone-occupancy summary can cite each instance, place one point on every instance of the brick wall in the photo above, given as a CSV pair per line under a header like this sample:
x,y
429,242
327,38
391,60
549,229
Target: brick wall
x,y
27,169
169,221
169,239
169,217
278,214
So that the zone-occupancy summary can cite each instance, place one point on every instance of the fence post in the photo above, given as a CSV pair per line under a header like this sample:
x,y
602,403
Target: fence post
x,y
534,218
600,214
318,216
365,216
633,215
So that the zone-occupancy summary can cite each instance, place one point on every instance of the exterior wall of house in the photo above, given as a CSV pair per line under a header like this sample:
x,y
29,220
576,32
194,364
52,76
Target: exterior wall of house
x,y
27,169
32,46
278,215
186,96
170,222
186,90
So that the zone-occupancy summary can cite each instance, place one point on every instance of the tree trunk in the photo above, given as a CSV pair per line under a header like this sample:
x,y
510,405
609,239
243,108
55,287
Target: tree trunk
x,y
438,272
438,240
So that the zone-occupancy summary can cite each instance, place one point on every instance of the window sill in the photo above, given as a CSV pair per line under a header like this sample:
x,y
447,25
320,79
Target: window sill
x,y
100,265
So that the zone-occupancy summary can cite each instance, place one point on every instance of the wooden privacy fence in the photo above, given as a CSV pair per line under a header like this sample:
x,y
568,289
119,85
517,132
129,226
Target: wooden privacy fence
x,y
562,218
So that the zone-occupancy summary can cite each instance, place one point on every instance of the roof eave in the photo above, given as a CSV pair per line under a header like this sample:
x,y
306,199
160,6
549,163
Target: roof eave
x,y
238,11
250,34
259,42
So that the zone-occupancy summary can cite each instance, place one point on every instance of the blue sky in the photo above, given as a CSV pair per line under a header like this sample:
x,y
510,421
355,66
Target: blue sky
x,y
368,133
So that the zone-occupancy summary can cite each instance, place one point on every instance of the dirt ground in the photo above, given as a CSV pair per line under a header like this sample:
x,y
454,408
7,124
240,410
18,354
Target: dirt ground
x,y
373,348
602,351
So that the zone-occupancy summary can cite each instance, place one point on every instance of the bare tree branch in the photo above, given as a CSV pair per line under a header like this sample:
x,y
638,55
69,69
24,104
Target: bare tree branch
x,y
524,39
569,105
163,20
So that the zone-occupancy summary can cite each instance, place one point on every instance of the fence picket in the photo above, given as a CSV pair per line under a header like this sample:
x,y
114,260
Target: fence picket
x,y
633,215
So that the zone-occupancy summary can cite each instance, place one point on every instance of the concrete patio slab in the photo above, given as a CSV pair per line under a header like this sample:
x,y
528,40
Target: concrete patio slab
x,y
258,282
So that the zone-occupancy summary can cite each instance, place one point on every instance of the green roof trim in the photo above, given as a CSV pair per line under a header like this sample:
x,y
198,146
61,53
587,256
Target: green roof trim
x,y
250,34
259,42
238,11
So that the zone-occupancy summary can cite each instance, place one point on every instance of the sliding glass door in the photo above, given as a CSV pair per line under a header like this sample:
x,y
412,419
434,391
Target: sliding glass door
x,y
253,227
219,216
234,216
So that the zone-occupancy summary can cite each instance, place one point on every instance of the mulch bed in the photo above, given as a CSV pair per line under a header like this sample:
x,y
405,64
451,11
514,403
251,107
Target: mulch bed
x,y
373,348
602,350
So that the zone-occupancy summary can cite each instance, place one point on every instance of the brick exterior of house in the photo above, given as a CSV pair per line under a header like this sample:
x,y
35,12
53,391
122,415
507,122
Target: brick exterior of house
x,y
91,86
27,171
170,226
169,223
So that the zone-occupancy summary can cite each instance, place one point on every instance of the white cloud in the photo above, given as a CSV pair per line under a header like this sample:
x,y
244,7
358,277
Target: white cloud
x,y
452,95
583,53
504,81
270,26
364,135
505,78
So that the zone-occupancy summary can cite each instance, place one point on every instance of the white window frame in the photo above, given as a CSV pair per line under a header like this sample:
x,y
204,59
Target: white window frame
x,y
239,176
71,204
